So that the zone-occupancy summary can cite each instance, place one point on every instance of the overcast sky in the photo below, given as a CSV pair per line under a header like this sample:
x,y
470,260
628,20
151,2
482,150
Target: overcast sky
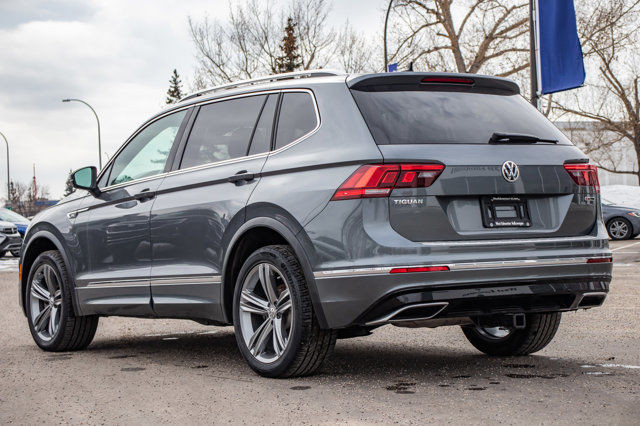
x,y
115,54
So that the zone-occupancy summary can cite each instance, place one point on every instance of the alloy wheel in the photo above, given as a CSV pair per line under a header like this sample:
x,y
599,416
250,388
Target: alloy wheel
x,y
618,229
266,312
45,298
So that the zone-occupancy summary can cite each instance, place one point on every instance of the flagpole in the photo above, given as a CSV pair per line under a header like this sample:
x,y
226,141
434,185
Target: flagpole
x,y
533,60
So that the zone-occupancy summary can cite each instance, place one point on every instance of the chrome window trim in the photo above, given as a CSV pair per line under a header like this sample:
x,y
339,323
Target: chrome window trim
x,y
383,270
217,163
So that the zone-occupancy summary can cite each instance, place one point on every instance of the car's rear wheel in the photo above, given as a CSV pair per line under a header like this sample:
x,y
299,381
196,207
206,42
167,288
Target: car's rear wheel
x,y
619,228
505,341
275,326
52,322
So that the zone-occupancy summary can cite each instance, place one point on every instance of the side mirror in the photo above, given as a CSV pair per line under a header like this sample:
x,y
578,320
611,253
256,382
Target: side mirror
x,y
85,178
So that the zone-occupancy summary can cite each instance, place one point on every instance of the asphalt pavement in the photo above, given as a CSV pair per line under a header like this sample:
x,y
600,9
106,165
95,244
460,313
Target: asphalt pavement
x,y
141,371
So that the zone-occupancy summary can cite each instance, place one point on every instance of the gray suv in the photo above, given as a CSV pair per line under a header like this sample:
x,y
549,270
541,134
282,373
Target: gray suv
x,y
307,207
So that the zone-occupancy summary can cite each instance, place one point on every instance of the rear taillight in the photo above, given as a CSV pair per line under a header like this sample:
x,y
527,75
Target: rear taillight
x,y
584,175
378,180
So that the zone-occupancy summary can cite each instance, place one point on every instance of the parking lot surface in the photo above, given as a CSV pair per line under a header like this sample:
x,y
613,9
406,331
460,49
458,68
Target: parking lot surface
x,y
170,371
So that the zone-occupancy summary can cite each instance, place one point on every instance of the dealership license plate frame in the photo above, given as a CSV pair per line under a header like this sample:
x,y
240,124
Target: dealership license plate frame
x,y
505,212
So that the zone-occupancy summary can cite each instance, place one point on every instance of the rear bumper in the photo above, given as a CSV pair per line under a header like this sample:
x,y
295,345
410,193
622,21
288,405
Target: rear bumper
x,y
367,297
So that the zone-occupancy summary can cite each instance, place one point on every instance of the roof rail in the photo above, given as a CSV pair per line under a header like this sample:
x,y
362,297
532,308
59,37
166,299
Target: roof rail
x,y
262,80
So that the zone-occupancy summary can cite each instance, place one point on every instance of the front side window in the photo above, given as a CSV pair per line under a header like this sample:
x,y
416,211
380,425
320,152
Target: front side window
x,y
297,118
222,131
146,154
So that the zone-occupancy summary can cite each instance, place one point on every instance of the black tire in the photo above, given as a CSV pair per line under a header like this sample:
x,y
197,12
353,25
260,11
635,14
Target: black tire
x,y
15,253
538,332
73,332
308,345
619,222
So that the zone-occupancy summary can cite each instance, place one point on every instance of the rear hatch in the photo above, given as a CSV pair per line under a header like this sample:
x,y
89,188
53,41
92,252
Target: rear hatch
x,y
507,171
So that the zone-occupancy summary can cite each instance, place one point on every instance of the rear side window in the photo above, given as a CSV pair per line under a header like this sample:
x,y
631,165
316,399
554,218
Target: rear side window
x,y
297,117
222,131
446,117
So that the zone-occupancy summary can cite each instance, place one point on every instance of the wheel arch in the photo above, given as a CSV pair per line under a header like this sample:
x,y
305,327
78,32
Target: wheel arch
x,y
38,241
258,232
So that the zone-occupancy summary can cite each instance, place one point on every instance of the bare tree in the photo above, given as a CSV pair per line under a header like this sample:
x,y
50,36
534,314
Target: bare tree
x,y
248,45
25,201
354,51
610,101
471,36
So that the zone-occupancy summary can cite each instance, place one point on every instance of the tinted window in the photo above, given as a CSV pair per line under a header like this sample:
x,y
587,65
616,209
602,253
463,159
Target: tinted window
x,y
146,154
261,141
417,117
222,131
297,118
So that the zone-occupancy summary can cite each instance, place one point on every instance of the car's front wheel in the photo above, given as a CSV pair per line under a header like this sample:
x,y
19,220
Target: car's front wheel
x,y
506,341
619,228
52,322
275,326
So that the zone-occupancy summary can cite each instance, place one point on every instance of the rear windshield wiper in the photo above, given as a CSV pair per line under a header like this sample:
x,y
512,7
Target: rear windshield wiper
x,y
518,138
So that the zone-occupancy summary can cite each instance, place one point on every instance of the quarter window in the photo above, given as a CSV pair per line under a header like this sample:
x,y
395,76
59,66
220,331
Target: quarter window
x,y
222,131
297,118
146,154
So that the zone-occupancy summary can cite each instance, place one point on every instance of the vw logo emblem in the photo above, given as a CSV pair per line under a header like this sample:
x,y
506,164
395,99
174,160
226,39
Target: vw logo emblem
x,y
510,171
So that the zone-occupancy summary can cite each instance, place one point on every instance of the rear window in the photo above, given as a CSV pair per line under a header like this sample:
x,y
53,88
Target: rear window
x,y
443,117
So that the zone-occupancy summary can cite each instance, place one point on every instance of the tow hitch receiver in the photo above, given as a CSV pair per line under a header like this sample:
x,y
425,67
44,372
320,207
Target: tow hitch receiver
x,y
517,321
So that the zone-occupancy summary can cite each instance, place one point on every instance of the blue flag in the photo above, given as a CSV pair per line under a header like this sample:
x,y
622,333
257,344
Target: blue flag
x,y
560,65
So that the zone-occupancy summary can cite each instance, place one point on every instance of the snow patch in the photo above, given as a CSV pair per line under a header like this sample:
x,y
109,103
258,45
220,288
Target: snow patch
x,y
622,195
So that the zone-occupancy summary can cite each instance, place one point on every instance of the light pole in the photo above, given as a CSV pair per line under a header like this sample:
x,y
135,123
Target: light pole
x,y
8,179
386,21
94,113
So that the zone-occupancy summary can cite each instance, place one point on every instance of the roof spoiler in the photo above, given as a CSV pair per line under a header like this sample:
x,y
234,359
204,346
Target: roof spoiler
x,y
422,79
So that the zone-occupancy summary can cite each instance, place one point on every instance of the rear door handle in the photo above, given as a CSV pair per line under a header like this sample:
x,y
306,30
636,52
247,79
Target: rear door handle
x,y
241,176
144,195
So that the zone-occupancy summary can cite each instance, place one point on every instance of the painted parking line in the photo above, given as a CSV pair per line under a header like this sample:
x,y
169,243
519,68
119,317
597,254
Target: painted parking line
x,y
626,246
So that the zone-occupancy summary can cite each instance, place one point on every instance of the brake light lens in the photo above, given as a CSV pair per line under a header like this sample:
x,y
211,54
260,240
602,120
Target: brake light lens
x,y
378,180
584,175
447,80
419,269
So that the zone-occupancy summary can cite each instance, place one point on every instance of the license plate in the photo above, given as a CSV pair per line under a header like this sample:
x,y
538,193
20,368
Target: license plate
x,y
502,212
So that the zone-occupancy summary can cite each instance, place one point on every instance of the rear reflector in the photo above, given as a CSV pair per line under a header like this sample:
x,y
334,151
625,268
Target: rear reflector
x,y
378,180
419,269
584,175
600,260
447,80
